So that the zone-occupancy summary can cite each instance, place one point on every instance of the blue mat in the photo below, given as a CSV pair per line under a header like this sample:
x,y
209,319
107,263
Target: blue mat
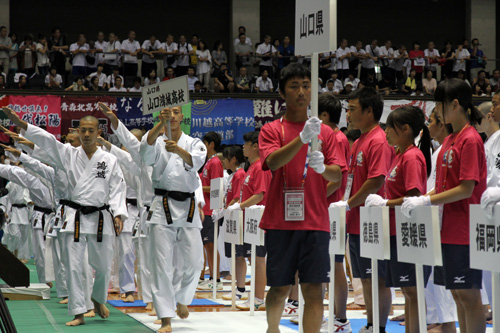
x,y
141,304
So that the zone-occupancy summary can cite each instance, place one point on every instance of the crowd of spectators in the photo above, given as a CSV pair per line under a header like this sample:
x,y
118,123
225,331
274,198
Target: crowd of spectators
x,y
128,65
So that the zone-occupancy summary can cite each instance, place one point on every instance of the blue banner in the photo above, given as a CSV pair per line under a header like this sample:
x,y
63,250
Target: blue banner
x,y
129,111
231,118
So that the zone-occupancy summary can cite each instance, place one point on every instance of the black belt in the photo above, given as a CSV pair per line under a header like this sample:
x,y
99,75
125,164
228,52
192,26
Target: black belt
x,y
19,205
136,226
132,202
44,211
177,196
85,210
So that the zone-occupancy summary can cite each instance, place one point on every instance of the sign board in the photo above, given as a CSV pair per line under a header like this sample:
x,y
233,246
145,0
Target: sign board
x,y
253,234
233,226
374,232
166,94
419,238
217,193
337,230
315,26
484,239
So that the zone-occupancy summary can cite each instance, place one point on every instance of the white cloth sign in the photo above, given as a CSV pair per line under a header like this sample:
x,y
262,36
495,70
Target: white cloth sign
x,y
337,230
253,234
484,239
217,193
374,232
167,94
233,226
419,237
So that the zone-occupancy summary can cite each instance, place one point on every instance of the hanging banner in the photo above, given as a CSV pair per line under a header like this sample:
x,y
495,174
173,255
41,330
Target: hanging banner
x,y
230,118
129,111
43,111
4,121
266,110
75,108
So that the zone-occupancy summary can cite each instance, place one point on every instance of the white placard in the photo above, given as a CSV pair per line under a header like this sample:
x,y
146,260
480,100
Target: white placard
x,y
167,94
253,234
315,26
374,232
337,230
484,239
419,238
233,226
217,193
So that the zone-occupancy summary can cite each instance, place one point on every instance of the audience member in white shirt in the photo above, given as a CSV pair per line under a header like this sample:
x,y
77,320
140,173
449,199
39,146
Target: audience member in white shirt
x,y
100,74
461,55
265,52
112,54
264,83
130,48
151,50
53,80
357,55
151,79
118,85
100,47
42,55
343,54
353,80
191,78
204,64
242,30
110,81
431,58
368,64
170,51
387,61
78,51
185,50
137,85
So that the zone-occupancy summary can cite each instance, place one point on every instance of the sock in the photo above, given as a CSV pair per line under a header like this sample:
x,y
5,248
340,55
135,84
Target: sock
x,y
382,329
211,278
343,321
218,280
241,290
368,325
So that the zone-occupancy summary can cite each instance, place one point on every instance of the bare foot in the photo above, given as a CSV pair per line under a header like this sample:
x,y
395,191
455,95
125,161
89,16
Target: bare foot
x,y
354,306
149,306
489,322
402,323
64,301
166,325
182,311
153,314
24,261
398,318
89,314
50,284
77,321
129,298
101,309
157,322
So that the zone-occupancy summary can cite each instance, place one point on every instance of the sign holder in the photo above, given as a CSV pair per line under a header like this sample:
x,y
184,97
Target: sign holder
x,y
215,203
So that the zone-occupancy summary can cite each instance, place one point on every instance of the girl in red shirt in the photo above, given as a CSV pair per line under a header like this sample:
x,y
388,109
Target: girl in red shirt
x,y
460,181
407,177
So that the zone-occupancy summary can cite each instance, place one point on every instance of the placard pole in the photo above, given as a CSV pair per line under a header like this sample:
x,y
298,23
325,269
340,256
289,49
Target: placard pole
x,y
233,276
169,131
314,93
422,315
375,296
215,271
495,308
331,295
252,280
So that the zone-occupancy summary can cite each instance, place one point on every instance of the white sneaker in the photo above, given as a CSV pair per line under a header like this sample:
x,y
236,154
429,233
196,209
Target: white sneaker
x,y
365,329
290,310
202,283
338,326
259,305
240,296
209,285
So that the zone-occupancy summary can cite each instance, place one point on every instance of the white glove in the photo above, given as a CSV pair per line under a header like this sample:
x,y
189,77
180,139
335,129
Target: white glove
x,y
317,162
311,129
488,200
375,200
410,203
256,207
340,204
235,206
217,214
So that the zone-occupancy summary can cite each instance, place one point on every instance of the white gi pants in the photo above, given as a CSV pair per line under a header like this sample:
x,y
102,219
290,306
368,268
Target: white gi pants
x,y
172,284
100,256
441,306
50,265
12,236
141,245
24,242
59,267
88,281
126,259
39,252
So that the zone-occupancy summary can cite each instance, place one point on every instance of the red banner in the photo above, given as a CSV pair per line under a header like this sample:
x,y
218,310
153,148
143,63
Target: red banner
x,y
4,101
43,111
75,108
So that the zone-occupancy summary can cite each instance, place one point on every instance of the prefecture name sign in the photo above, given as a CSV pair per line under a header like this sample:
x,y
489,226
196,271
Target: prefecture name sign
x,y
167,94
337,230
484,239
315,30
374,232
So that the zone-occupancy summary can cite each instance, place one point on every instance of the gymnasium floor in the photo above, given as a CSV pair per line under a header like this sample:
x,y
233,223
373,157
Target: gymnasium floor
x,y
207,316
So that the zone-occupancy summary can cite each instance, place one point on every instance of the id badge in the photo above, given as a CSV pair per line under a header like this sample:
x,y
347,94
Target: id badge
x,y
294,204
348,187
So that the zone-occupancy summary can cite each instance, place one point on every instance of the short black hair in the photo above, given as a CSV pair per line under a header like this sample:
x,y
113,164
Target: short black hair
x,y
242,34
214,137
252,137
234,151
367,97
291,71
100,65
330,104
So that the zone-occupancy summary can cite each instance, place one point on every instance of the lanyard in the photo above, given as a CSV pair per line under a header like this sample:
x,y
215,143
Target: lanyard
x,y
447,153
307,158
355,151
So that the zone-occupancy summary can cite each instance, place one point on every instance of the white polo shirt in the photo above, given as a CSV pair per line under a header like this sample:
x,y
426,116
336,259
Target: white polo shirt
x,y
146,45
79,59
263,49
344,63
103,78
101,46
457,65
387,52
183,59
132,47
169,48
369,63
114,58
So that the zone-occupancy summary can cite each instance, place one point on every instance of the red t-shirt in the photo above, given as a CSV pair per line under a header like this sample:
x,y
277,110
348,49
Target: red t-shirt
x,y
466,161
233,189
315,205
256,181
407,172
370,157
415,54
212,169
345,152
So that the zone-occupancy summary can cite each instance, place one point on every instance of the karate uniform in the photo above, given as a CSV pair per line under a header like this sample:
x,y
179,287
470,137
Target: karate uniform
x,y
95,183
171,173
43,210
17,229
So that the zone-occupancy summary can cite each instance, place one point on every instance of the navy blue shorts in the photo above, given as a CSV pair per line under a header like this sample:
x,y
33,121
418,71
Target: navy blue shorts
x,y
207,232
362,267
339,258
456,272
245,250
289,251
402,274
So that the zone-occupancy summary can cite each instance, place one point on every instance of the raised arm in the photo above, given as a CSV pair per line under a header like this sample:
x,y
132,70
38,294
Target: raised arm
x,y
38,191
